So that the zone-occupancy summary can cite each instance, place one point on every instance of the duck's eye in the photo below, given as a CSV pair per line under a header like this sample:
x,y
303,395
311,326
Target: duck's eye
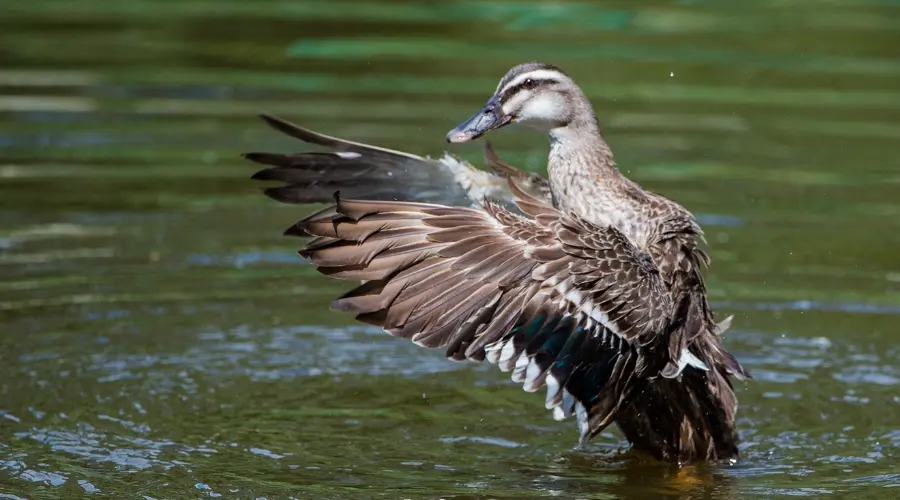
x,y
529,83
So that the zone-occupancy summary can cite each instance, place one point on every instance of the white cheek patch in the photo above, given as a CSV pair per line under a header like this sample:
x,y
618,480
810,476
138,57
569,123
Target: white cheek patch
x,y
543,108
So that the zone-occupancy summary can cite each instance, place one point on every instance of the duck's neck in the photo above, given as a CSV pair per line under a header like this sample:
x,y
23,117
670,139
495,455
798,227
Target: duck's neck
x,y
583,174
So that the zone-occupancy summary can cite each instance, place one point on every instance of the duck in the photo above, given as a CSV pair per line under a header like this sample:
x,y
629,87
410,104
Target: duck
x,y
581,283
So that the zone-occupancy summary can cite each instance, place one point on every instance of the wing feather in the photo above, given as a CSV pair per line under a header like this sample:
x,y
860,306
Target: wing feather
x,y
369,172
541,294
558,301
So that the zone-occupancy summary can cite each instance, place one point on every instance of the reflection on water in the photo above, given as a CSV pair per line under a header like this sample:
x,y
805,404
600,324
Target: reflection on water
x,y
159,338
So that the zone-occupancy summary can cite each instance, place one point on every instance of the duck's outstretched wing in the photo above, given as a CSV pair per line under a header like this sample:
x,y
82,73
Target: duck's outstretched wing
x,y
558,301
361,171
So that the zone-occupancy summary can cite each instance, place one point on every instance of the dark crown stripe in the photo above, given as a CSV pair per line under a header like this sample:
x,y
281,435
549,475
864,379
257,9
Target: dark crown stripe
x,y
508,93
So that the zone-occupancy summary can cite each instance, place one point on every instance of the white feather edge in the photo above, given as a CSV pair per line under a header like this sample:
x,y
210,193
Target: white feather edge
x,y
581,416
477,183
687,358
527,372
587,307
519,372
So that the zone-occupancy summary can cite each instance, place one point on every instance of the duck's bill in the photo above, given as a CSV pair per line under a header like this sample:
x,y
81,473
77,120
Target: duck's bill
x,y
490,117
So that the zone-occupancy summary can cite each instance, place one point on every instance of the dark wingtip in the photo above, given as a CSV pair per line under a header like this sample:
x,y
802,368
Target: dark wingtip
x,y
281,193
298,229
292,130
272,120
263,175
276,159
376,318
278,123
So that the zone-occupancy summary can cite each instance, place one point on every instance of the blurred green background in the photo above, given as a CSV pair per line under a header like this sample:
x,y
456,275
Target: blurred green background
x,y
159,338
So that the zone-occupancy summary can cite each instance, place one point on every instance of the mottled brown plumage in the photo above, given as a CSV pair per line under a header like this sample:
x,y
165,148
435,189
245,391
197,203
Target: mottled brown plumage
x,y
585,283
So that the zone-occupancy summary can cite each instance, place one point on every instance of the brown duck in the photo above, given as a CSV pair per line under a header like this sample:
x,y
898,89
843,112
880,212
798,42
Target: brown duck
x,y
582,282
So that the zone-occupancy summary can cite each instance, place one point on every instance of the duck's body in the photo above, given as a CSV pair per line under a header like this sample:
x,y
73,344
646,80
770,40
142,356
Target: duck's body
x,y
589,285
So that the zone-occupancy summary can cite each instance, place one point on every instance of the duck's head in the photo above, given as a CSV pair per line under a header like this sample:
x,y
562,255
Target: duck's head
x,y
535,93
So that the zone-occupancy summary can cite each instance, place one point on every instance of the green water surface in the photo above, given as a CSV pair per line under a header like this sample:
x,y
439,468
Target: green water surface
x,y
160,339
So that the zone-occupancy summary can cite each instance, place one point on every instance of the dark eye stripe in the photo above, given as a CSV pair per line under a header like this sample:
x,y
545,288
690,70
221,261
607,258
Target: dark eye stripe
x,y
530,83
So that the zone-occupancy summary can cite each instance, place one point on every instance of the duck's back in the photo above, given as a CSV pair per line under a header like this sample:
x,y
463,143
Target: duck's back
x,y
689,416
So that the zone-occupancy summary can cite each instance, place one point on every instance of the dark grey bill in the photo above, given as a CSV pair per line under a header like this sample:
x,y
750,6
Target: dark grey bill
x,y
490,117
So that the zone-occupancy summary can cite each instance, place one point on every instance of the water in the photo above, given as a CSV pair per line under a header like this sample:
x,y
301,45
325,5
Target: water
x,y
159,338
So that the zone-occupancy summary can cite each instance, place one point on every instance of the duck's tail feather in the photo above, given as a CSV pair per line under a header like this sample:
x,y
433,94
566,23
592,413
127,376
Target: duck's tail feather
x,y
684,420
688,413
362,171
